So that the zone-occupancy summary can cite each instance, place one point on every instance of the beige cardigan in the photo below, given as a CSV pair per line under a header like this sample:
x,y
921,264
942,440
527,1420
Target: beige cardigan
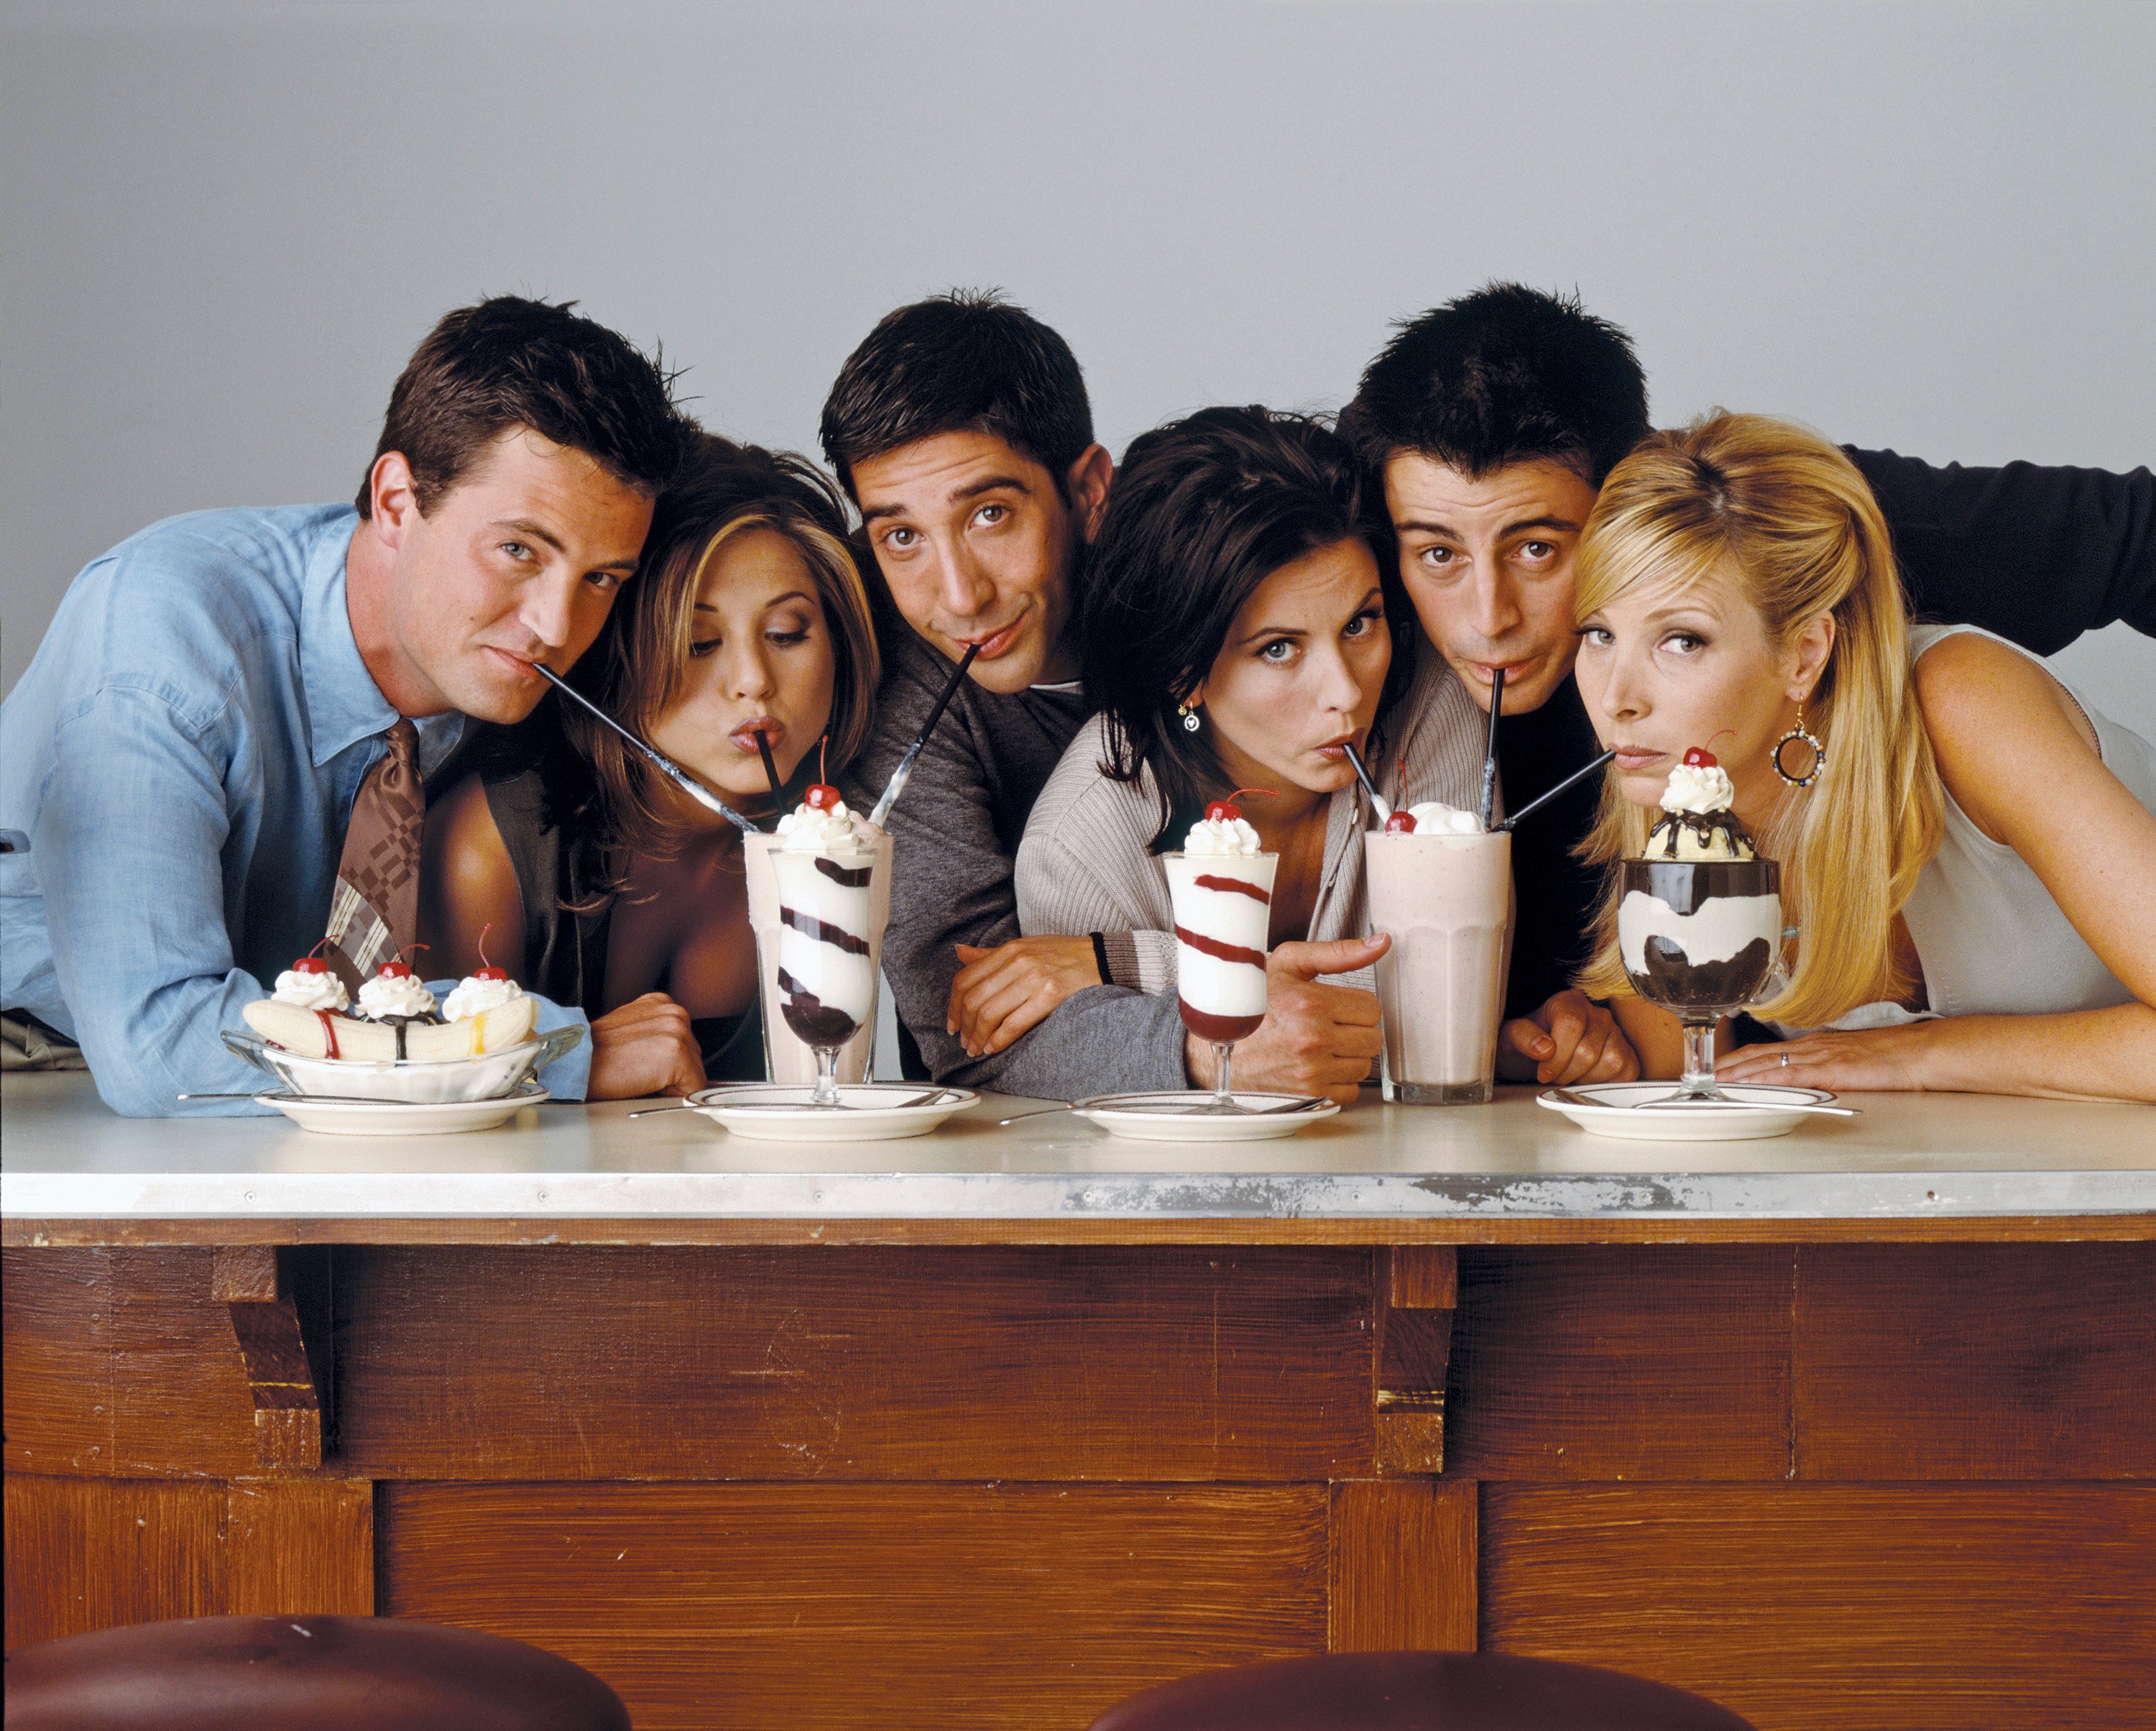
x,y
1085,864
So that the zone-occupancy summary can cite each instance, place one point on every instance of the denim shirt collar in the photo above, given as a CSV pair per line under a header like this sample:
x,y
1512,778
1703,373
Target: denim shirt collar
x,y
344,704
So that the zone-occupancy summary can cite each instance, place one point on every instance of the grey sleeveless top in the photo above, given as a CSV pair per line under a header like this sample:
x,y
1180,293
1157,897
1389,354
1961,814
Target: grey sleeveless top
x,y
1991,939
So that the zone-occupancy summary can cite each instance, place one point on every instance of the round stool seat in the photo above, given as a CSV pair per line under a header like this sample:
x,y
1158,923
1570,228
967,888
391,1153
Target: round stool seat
x,y
301,1674
1416,1692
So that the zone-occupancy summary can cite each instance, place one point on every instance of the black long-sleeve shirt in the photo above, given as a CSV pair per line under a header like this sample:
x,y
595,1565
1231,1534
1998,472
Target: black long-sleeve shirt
x,y
2038,555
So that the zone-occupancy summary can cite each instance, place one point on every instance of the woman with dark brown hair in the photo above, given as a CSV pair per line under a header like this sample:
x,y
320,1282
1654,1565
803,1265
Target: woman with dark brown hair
x,y
604,885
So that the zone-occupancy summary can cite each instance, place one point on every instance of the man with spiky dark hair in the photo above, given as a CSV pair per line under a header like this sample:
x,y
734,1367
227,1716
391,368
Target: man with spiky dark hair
x,y
960,429
217,755
1493,421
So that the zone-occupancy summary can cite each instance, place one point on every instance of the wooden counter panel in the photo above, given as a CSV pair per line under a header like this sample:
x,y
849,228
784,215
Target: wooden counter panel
x,y
577,1363
1819,1608
1603,1363
119,1361
1943,1362
86,1553
806,1607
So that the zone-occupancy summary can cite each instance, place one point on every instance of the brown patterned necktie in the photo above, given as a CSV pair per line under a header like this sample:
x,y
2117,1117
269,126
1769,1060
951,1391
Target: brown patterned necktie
x,y
376,910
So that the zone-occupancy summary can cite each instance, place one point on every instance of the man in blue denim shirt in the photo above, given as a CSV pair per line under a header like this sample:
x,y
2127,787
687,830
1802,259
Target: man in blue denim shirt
x,y
184,751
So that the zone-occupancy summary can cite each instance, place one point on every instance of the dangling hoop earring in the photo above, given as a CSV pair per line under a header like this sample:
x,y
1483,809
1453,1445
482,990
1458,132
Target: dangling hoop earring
x,y
1191,724
1811,739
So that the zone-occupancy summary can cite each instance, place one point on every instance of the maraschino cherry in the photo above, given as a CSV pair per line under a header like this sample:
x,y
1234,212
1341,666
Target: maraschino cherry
x,y
486,970
397,968
821,796
1400,823
1698,756
1226,811
310,964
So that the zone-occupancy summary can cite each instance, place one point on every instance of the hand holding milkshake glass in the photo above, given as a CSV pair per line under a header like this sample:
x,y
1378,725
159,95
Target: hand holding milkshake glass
x,y
1221,887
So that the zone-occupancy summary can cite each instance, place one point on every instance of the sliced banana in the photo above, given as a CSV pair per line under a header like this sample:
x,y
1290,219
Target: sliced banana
x,y
312,1033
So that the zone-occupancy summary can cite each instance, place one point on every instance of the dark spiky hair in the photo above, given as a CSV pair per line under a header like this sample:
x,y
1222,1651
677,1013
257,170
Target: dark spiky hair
x,y
965,361
1505,375
508,362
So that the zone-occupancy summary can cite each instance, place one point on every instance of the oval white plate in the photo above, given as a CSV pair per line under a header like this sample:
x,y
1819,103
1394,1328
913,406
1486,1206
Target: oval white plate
x,y
1622,1116
394,1117
867,1111
1168,1117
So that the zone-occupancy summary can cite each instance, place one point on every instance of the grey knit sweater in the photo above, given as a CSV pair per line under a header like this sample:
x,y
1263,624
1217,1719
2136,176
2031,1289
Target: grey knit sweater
x,y
1085,865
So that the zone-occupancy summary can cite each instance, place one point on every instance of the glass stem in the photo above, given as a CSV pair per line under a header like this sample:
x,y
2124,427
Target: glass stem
x,y
827,1076
1699,1056
1224,1096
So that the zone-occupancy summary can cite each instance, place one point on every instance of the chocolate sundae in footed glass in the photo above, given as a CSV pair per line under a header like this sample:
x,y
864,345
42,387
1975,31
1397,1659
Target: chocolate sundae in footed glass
x,y
827,940
1699,921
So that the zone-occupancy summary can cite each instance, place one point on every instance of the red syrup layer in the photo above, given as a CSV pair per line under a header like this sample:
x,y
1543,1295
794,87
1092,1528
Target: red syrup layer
x,y
1219,951
328,1031
1221,1031
1233,886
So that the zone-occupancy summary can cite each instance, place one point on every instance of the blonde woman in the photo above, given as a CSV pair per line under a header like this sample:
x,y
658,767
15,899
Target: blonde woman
x,y
1968,854
607,887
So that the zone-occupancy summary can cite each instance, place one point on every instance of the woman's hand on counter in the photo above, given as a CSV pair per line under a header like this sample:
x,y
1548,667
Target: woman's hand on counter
x,y
1570,1040
1315,1038
645,1047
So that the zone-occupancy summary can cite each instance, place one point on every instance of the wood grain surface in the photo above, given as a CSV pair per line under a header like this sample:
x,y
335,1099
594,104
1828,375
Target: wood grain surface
x,y
841,1607
1834,1607
2014,1362
1621,1363
910,1363
1403,1566
86,1553
120,1362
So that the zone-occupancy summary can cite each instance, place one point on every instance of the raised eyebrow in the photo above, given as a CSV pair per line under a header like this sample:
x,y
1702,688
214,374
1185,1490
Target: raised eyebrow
x,y
1527,523
533,531
775,601
994,483
1420,527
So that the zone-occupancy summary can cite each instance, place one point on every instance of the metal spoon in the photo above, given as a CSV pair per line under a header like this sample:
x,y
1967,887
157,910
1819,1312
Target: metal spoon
x,y
1833,1111
653,1111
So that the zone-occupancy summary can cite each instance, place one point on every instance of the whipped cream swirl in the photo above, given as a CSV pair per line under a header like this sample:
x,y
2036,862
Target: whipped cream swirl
x,y
1433,817
310,991
1222,838
475,997
834,832
394,995
1698,789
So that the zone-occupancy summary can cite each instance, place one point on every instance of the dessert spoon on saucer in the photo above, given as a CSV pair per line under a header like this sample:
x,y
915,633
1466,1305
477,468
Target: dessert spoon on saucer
x,y
1835,1111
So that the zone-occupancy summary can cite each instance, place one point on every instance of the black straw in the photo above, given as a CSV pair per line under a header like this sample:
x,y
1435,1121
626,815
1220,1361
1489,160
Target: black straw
x,y
1377,800
770,763
1534,805
1490,758
904,773
659,760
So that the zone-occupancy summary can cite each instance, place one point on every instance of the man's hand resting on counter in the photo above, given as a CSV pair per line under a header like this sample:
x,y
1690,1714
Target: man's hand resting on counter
x,y
1315,1039
1570,1040
1001,992
645,1047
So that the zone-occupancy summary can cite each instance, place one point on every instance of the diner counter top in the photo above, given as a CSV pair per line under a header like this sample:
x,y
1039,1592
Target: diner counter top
x,y
1914,1166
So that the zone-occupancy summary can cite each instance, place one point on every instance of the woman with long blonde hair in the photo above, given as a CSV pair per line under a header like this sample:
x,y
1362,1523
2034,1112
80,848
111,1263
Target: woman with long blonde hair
x,y
1969,852
607,887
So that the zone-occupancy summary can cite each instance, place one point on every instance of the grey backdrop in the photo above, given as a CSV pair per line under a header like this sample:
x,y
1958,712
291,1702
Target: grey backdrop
x,y
1927,226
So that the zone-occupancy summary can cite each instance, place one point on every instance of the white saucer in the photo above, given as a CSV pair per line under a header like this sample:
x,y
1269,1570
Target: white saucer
x,y
866,1112
398,1118
1619,1112
1170,1117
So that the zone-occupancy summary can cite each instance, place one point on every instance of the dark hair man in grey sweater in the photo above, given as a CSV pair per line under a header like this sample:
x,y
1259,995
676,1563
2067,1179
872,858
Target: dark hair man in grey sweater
x,y
960,429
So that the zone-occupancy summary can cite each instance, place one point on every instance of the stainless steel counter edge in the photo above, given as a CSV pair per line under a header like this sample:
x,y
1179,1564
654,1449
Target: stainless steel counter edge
x,y
1019,1196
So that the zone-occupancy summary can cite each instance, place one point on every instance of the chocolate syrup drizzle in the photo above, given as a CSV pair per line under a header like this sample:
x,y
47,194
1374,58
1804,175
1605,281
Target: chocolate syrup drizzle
x,y
1704,824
